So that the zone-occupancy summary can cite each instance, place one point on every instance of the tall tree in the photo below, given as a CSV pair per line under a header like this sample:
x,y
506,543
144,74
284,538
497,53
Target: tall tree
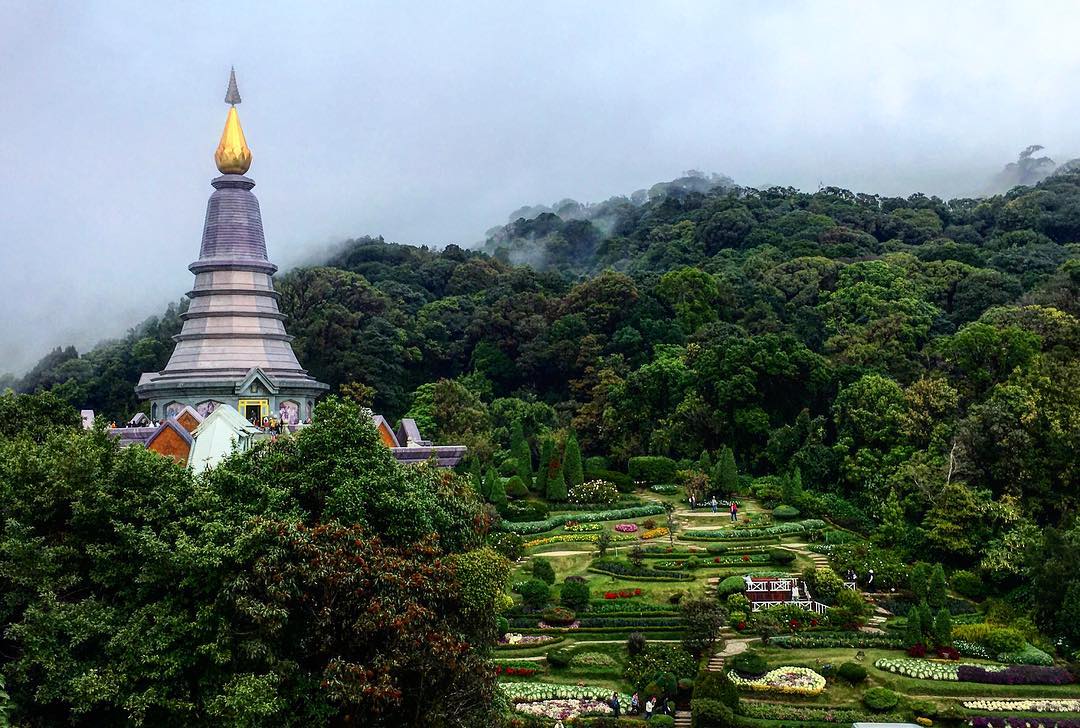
x,y
522,454
572,462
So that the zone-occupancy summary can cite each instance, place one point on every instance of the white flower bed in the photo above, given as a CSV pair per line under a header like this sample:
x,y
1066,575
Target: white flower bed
x,y
928,669
1064,705
552,700
784,680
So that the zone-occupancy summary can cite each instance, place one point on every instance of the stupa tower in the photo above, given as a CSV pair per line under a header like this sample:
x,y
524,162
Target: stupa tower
x,y
233,348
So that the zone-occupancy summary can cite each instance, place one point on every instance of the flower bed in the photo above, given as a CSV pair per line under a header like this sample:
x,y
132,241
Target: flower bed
x,y
551,700
659,532
787,713
783,680
516,671
1049,705
623,594
810,640
574,538
573,527
1015,675
927,669
626,527
593,659
997,722
594,491
514,640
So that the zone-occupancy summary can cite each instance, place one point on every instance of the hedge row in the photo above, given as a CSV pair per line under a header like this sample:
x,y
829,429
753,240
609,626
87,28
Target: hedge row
x,y
854,640
652,509
510,648
750,534
643,577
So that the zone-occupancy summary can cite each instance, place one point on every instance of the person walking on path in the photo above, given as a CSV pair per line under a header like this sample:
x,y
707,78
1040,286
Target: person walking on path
x,y
614,703
713,504
734,511
635,704
649,705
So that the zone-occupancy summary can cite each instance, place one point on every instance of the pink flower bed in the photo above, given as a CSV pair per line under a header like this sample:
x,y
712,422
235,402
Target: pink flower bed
x,y
626,527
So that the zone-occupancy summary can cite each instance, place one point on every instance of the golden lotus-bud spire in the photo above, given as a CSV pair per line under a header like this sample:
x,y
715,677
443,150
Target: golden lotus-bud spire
x,y
232,155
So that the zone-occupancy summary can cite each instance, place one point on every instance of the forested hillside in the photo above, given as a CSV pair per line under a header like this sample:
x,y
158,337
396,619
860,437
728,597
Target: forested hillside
x,y
913,360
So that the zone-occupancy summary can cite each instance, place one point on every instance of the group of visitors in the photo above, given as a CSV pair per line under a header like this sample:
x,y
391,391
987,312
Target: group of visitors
x,y
653,706
714,503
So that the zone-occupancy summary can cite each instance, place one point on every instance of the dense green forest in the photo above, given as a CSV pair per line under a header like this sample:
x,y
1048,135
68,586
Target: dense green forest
x,y
912,363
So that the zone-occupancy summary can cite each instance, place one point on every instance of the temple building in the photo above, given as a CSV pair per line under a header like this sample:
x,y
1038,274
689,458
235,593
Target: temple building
x,y
233,367
233,348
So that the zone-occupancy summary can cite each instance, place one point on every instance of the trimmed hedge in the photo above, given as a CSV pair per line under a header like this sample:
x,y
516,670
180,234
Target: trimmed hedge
x,y
643,577
731,585
812,640
784,512
650,469
623,482
555,639
749,534
549,524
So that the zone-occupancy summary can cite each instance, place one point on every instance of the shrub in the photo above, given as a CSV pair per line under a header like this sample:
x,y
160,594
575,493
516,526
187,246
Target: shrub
x,y
967,584
515,488
1004,639
575,595
559,658
749,664
652,469
509,545
710,713
596,462
622,481
535,594
716,548
785,512
781,556
731,585
660,663
635,644
716,686
662,721
558,616
502,625
880,699
851,672
594,491
525,511
543,570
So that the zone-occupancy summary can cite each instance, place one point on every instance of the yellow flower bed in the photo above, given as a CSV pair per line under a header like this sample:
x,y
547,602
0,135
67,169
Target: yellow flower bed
x,y
654,533
783,680
576,538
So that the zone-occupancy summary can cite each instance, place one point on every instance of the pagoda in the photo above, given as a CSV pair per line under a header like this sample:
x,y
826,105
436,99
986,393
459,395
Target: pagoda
x,y
233,348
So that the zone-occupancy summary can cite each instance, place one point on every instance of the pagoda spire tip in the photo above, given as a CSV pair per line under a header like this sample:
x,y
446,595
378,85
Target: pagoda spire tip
x,y
232,94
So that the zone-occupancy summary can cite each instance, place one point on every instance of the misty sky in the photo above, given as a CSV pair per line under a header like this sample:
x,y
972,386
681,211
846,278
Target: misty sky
x,y
429,123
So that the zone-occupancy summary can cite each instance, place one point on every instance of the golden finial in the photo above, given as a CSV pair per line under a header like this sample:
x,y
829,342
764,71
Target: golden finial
x,y
232,155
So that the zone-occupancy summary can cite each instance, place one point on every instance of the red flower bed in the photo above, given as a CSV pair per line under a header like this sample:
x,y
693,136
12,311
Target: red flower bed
x,y
918,650
623,594
514,671
948,653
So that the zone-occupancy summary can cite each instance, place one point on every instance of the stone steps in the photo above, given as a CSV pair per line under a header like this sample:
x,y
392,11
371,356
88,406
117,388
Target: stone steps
x,y
683,719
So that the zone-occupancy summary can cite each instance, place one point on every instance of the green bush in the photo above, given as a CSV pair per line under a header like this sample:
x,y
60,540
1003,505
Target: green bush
x,y
596,462
785,512
781,556
575,595
662,721
559,658
715,548
1005,639
515,488
880,699
543,570
622,481
711,713
651,469
502,624
558,616
535,594
851,672
730,585
968,584
635,644
525,511
509,545
749,664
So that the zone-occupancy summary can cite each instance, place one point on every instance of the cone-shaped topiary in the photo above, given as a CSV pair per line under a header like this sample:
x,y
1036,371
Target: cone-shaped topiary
x,y
572,470
522,454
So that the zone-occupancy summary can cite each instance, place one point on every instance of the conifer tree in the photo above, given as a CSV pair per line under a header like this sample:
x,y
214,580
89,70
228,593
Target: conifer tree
x,y
572,462
547,454
793,490
943,628
476,478
498,493
893,529
726,473
913,632
556,485
705,463
935,593
489,484
926,622
522,454
919,580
